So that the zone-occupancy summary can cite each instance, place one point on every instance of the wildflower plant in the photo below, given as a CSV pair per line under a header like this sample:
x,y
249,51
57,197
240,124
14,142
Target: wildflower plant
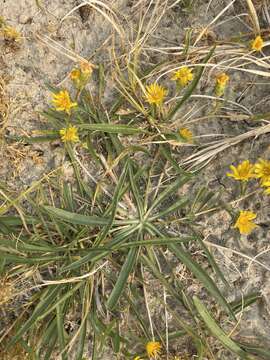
x,y
86,244
108,233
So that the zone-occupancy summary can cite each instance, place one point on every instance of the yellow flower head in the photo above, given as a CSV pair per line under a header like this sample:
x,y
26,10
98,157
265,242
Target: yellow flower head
x,y
153,348
222,79
81,76
243,172
183,76
10,33
69,134
262,170
137,358
267,185
62,102
75,74
244,222
186,134
221,83
257,43
155,94
86,68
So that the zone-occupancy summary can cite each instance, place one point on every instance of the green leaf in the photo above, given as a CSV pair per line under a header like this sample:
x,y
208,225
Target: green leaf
x,y
101,82
247,300
74,218
16,220
136,192
212,262
165,151
200,274
261,351
171,209
35,139
170,189
61,331
114,204
192,332
94,254
112,129
155,271
217,331
48,297
66,294
122,279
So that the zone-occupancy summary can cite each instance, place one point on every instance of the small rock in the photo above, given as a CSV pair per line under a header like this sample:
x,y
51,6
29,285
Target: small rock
x,y
25,19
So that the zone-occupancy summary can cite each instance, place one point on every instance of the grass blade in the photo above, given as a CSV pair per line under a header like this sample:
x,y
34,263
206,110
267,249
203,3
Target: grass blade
x,y
122,279
74,218
200,274
112,129
217,331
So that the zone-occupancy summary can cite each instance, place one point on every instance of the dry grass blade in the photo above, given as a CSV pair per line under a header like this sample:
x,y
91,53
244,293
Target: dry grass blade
x,y
210,151
212,22
254,17
98,5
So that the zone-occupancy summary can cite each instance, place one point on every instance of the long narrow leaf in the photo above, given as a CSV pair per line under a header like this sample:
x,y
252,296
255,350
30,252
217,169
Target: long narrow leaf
x,y
122,279
217,331
200,274
74,218
112,129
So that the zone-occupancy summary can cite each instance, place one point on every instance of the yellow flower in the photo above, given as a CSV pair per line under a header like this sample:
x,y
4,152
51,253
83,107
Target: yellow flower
x,y
69,134
221,83
257,43
86,68
262,170
243,172
10,33
267,185
153,348
244,222
137,358
222,79
155,94
183,76
81,76
186,134
62,102
75,74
